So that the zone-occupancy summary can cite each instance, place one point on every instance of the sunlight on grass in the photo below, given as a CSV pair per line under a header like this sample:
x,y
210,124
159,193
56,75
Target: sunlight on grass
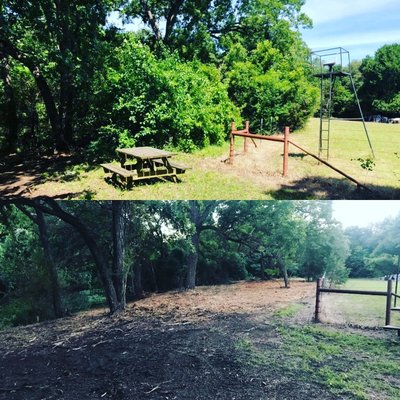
x,y
348,364
211,178
358,309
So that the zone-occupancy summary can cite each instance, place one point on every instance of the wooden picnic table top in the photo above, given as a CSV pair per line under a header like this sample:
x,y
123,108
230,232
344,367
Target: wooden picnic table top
x,y
146,152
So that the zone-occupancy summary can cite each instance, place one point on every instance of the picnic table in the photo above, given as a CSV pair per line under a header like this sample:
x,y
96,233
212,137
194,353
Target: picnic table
x,y
139,163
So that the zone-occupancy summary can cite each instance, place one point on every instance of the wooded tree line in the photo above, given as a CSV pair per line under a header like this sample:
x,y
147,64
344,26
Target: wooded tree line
x,y
377,80
59,257
70,79
374,250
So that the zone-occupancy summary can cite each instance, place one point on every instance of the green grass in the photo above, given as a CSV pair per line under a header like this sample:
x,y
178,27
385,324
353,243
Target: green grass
x,y
288,311
358,309
351,365
248,354
210,178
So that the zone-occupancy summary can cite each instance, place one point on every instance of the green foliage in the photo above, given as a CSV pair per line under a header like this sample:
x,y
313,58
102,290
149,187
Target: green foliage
x,y
159,101
381,86
18,312
325,248
367,163
374,251
268,85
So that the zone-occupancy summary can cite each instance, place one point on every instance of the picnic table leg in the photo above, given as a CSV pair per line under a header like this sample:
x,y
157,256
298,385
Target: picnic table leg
x,y
167,165
129,183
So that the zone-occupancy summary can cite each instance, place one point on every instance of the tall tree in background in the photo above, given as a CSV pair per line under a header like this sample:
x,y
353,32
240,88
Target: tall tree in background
x,y
381,87
112,288
54,39
199,213
325,247
10,112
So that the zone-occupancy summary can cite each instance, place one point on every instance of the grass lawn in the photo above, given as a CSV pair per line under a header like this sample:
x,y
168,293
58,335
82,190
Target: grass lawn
x,y
256,175
349,363
358,309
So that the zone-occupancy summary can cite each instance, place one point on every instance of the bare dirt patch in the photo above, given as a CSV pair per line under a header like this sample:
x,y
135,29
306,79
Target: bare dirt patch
x,y
169,346
242,297
20,175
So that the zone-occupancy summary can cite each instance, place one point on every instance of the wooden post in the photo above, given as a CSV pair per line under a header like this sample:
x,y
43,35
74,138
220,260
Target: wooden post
x,y
318,300
246,145
388,302
397,281
286,151
232,144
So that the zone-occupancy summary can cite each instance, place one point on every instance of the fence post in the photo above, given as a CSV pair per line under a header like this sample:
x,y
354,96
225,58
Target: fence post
x,y
318,300
232,144
286,151
246,145
388,302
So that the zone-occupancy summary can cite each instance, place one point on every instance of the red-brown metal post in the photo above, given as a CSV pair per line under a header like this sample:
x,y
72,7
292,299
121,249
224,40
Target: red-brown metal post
x,y
246,145
232,144
318,300
388,302
286,151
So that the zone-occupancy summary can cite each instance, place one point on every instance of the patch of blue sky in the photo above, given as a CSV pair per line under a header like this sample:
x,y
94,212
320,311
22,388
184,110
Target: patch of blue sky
x,y
360,26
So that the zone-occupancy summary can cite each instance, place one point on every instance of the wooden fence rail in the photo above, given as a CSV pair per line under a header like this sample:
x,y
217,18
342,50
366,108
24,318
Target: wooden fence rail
x,y
245,133
388,294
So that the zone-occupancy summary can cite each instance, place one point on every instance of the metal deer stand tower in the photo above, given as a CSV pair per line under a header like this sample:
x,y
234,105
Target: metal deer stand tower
x,y
329,65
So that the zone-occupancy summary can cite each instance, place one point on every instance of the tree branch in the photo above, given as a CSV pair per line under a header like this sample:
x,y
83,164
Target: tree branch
x,y
149,17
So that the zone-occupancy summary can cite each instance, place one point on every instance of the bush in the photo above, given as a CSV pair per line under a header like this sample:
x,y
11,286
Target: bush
x,y
22,312
144,100
266,85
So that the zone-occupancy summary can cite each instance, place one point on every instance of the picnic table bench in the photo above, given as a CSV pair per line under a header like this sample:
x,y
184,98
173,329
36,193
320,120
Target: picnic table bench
x,y
139,163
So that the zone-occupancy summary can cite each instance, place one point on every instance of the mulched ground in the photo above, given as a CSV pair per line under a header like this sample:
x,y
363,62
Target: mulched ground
x,y
171,346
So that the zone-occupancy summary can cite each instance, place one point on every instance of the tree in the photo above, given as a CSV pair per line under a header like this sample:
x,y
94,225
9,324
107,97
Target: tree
x,y
113,290
325,248
199,213
40,220
53,40
10,116
381,87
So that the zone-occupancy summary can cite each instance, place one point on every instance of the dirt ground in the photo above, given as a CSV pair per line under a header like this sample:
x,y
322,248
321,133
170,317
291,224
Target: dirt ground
x,y
179,345
20,175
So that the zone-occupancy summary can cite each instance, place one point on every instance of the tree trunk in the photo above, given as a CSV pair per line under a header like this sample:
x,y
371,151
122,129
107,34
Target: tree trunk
x,y
66,81
11,107
153,278
118,252
44,239
98,256
193,257
8,49
137,280
192,261
284,273
262,268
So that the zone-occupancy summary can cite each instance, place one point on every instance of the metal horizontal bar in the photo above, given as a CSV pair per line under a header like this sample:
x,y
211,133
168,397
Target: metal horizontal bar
x,y
350,291
329,165
254,136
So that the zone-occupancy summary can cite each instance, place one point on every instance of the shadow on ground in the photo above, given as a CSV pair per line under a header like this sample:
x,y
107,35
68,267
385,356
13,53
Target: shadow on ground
x,y
146,358
333,189
20,174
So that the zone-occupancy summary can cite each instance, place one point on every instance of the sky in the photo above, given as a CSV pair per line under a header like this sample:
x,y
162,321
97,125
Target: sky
x,y
364,212
359,26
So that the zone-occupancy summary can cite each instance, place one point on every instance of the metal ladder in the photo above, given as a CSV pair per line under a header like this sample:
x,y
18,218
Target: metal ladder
x,y
325,116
